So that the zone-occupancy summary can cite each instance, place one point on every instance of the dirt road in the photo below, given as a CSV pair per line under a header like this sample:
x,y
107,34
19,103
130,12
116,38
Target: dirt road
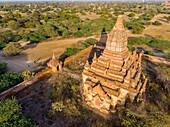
x,y
18,63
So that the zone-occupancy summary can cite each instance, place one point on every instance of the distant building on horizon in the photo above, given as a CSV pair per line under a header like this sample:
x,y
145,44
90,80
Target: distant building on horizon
x,y
166,3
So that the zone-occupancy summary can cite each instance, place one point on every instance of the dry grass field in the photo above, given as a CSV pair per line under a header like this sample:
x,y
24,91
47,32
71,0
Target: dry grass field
x,y
44,50
162,31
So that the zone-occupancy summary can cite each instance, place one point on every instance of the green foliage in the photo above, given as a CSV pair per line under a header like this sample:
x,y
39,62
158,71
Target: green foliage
x,y
78,34
8,108
71,51
66,34
130,119
36,37
79,46
146,17
157,23
47,30
12,49
8,36
10,115
9,79
167,56
57,107
148,52
13,24
28,74
132,14
3,67
139,40
2,45
136,26
90,42
152,42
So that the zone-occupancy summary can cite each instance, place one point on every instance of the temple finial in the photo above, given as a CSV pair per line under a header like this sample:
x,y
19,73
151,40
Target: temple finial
x,y
119,23
53,57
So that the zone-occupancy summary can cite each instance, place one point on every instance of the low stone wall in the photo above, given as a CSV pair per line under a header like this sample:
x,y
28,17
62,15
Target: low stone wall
x,y
23,85
157,59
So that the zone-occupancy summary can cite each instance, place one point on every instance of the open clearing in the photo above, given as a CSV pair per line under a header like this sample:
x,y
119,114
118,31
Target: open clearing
x,y
162,31
44,50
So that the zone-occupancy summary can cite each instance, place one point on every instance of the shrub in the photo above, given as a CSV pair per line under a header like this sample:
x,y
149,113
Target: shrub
x,y
27,74
66,34
131,14
12,49
89,42
9,79
3,67
129,118
2,45
148,52
10,115
157,23
78,34
71,51
152,42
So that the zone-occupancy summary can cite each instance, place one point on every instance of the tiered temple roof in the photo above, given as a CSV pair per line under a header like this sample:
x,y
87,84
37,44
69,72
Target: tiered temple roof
x,y
114,76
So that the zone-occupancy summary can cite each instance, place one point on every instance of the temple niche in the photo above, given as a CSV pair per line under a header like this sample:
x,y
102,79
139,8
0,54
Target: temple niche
x,y
116,76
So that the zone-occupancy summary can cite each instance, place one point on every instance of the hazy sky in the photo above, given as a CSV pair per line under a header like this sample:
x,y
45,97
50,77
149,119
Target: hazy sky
x,y
77,0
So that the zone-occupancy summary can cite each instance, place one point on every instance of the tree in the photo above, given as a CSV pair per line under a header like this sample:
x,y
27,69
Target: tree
x,y
10,115
13,24
157,23
132,14
12,49
9,80
3,67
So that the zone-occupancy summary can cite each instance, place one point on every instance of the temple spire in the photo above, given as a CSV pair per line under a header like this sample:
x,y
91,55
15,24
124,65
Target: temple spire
x,y
117,38
119,23
53,57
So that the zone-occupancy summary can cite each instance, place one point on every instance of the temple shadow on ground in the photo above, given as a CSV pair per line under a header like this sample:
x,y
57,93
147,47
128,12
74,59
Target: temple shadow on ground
x,y
102,43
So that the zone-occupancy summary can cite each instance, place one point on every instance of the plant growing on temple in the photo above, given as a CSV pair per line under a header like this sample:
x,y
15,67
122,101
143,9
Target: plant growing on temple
x,y
12,49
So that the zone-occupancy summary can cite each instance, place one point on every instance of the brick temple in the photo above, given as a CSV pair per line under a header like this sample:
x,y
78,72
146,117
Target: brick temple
x,y
116,76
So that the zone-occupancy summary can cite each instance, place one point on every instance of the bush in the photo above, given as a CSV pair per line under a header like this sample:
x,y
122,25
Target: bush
x,y
12,49
9,79
3,67
148,52
89,42
28,74
129,118
10,115
157,23
71,51
78,34
131,14
2,45
152,42
66,34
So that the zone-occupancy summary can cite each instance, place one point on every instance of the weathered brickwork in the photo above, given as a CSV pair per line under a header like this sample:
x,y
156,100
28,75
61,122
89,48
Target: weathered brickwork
x,y
115,77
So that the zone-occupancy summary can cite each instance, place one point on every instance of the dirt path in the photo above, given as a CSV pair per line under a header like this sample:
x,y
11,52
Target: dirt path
x,y
44,50
18,63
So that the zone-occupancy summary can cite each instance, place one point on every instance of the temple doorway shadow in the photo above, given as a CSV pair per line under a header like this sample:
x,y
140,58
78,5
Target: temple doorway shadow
x,y
101,43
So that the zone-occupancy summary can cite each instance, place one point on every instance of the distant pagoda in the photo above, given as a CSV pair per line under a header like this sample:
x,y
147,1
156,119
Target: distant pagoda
x,y
115,77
